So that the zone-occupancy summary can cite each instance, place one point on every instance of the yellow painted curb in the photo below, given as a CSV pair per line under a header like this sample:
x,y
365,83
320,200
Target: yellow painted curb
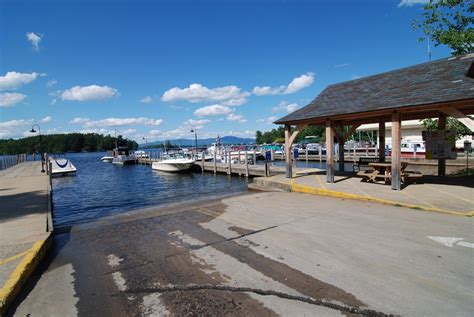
x,y
331,193
22,272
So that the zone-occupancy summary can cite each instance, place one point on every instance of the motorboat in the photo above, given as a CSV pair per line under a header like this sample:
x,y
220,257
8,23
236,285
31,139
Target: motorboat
x,y
107,159
173,163
122,156
62,167
207,157
140,154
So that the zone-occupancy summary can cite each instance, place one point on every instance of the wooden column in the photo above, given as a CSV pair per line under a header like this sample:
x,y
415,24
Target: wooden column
x,y
289,167
396,150
329,152
442,162
382,140
341,155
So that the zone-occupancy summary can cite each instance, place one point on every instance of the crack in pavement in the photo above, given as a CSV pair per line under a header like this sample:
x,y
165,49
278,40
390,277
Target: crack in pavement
x,y
308,300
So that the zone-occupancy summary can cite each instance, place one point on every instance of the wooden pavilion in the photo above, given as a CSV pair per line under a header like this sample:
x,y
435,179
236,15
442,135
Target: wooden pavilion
x,y
435,89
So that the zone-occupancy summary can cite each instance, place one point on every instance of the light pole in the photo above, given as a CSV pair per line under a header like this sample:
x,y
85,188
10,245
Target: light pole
x,y
41,144
146,142
195,141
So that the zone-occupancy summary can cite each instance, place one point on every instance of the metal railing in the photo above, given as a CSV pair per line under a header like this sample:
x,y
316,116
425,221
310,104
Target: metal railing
x,y
12,160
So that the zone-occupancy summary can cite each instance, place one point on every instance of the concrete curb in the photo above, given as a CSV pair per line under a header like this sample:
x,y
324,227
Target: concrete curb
x,y
23,271
331,193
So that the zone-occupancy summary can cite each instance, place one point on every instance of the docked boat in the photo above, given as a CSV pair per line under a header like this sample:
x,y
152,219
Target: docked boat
x,y
173,163
122,156
140,154
62,167
107,159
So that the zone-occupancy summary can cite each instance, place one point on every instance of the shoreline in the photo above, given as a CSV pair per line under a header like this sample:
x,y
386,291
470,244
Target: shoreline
x,y
149,212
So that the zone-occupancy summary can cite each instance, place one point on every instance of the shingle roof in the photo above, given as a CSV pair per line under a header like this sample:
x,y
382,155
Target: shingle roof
x,y
434,82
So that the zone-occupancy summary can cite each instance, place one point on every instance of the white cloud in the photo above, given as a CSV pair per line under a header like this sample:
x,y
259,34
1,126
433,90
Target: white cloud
x,y
88,93
9,99
116,122
154,133
231,95
296,84
409,3
268,120
15,128
35,39
285,106
212,110
128,132
184,131
241,134
51,83
147,99
13,80
236,117
46,119
197,123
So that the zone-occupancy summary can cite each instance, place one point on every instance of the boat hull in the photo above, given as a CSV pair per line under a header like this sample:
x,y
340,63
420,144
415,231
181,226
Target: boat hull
x,y
107,159
172,167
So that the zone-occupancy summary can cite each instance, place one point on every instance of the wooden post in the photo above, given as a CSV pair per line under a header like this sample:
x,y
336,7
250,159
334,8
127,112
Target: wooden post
x,y
246,165
272,155
320,151
442,162
215,162
306,154
289,167
202,161
341,155
396,141
229,171
254,157
355,152
329,152
382,140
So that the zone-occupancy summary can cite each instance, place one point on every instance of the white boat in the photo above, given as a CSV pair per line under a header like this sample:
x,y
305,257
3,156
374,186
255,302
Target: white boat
x,y
173,163
61,167
107,159
122,156
140,154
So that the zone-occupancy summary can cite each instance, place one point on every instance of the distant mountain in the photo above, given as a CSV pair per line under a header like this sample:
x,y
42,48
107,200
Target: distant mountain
x,y
204,142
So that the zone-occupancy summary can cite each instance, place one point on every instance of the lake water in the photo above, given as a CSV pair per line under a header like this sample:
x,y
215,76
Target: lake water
x,y
101,189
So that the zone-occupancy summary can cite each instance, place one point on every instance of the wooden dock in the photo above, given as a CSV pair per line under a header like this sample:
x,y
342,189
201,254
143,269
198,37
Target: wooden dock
x,y
248,170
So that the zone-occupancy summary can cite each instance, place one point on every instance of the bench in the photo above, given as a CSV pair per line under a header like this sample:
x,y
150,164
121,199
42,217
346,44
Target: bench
x,y
364,162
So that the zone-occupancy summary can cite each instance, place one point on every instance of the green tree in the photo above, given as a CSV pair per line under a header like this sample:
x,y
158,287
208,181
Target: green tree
x,y
451,124
448,22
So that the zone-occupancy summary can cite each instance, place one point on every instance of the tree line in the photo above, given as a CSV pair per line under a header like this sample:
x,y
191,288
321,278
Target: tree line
x,y
62,143
278,135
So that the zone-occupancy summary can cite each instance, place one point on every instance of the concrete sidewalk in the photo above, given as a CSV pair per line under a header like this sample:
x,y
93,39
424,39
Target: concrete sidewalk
x,y
24,236
453,195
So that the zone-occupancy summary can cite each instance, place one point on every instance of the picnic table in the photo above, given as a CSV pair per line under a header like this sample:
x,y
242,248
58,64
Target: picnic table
x,y
383,171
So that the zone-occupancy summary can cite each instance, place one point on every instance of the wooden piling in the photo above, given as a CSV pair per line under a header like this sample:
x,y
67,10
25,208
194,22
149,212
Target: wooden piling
x,y
246,165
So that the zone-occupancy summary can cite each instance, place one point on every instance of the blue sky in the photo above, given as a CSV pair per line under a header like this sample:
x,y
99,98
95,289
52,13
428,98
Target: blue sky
x,y
156,69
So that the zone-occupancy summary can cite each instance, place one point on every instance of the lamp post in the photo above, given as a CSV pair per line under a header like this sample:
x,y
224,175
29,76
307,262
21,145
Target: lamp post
x,y
195,141
41,144
146,142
